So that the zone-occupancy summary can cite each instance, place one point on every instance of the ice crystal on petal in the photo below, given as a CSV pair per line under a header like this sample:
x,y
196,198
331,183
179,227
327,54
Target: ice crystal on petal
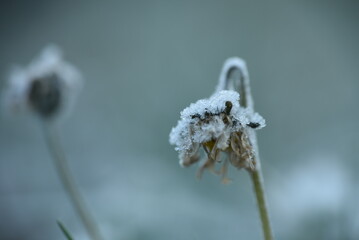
x,y
47,86
218,124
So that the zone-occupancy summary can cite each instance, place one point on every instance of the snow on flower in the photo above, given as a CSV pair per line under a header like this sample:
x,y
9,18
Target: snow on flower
x,y
217,124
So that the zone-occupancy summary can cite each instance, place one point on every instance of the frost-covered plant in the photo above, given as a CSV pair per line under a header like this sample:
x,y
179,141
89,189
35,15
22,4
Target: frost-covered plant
x,y
48,87
218,124
224,123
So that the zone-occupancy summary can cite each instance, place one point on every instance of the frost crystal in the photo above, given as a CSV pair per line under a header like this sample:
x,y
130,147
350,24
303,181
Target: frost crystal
x,y
47,86
218,124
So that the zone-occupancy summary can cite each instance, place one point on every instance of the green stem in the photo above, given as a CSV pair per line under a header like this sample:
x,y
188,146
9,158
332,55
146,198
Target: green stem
x,y
257,180
68,181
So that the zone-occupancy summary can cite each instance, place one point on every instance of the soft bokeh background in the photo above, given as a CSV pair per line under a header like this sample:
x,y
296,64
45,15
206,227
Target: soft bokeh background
x,y
144,61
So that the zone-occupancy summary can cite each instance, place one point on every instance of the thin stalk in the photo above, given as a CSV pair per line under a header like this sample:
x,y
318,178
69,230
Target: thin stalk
x,y
228,80
68,182
257,180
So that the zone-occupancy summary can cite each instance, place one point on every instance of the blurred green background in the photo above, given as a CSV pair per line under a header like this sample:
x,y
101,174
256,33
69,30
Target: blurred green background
x,y
143,62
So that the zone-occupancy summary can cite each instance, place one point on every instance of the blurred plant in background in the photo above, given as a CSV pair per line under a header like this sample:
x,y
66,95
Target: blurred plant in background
x,y
47,87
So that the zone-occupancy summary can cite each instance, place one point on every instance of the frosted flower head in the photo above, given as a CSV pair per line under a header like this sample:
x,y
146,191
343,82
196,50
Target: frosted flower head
x,y
47,86
218,125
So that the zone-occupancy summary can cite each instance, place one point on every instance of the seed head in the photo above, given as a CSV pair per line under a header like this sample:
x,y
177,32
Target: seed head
x,y
48,86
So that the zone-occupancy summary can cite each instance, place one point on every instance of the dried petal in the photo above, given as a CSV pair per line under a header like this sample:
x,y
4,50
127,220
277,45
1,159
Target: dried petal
x,y
218,124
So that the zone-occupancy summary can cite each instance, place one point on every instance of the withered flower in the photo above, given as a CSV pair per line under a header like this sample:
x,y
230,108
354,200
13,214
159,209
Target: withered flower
x,y
225,123
218,125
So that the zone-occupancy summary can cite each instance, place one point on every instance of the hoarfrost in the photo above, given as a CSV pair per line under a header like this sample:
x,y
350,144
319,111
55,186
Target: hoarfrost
x,y
223,123
212,119
236,63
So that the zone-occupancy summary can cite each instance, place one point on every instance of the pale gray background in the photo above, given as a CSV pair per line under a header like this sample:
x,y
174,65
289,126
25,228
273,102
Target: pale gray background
x,y
144,61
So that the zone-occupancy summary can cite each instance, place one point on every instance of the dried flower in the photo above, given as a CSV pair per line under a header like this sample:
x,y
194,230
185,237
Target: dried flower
x,y
48,86
218,124
225,123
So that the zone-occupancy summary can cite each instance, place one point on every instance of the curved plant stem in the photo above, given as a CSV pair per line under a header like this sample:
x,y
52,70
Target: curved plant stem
x,y
68,182
241,84
257,180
